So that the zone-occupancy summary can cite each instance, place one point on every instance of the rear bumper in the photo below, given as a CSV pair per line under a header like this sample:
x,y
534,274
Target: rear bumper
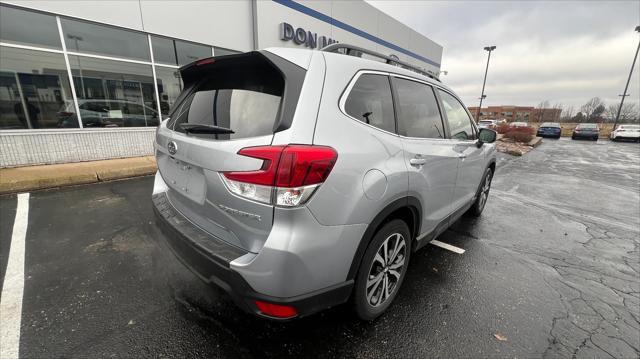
x,y
210,259
585,135
624,137
548,134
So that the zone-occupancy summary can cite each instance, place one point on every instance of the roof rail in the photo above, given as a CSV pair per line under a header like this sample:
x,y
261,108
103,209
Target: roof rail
x,y
352,50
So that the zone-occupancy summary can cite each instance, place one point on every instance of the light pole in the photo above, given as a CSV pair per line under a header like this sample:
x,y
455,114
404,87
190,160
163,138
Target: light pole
x,y
624,94
482,96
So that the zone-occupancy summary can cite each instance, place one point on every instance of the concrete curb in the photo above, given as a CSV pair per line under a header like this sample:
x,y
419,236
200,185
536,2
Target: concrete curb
x,y
535,142
23,179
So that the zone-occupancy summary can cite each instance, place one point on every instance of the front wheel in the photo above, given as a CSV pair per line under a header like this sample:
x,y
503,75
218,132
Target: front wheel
x,y
483,194
382,270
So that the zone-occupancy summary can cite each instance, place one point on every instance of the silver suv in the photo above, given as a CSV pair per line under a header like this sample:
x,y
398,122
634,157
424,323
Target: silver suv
x,y
297,180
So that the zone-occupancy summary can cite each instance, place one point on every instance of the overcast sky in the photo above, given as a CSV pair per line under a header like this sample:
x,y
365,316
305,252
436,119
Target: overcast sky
x,y
562,51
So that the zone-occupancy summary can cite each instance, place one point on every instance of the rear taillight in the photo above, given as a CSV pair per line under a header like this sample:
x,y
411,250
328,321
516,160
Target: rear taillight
x,y
289,174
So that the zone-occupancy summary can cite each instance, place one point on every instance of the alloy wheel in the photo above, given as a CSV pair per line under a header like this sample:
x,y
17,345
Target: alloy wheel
x,y
386,270
484,193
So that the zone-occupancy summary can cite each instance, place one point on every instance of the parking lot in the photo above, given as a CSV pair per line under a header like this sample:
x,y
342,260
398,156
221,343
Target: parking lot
x,y
551,269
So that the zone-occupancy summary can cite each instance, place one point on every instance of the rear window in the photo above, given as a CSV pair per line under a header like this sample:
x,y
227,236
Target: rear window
x,y
245,98
588,125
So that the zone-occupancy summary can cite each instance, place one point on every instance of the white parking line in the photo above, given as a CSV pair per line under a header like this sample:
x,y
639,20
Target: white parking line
x,y
13,287
446,246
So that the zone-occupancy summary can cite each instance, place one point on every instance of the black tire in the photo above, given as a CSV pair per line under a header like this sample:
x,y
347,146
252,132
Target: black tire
x,y
573,137
370,264
595,138
483,189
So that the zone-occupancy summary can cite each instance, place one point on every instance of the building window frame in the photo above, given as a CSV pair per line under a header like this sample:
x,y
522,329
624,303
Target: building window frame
x,y
66,53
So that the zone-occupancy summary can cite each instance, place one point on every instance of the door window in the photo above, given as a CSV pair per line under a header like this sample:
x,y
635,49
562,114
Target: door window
x,y
370,101
418,114
457,117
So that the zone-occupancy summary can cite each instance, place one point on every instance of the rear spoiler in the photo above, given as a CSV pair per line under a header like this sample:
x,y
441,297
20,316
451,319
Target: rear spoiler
x,y
191,73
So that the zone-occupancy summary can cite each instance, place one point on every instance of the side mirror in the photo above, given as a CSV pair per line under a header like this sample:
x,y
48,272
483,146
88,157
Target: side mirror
x,y
486,136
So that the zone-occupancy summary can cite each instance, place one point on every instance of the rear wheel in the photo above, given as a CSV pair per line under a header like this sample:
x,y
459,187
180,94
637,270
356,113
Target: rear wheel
x,y
483,194
382,270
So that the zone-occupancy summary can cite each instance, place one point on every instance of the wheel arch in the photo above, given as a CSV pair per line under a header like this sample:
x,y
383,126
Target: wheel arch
x,y
406,208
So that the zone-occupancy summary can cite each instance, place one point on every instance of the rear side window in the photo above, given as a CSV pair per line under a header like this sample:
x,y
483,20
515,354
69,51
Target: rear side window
x,y
245,98
418,114
370,101
458,119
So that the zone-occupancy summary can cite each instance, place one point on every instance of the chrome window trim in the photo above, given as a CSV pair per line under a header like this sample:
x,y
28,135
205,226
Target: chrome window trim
x,y
352,82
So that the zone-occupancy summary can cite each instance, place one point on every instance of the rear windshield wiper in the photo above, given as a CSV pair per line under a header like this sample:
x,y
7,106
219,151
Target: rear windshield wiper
x,y
196,128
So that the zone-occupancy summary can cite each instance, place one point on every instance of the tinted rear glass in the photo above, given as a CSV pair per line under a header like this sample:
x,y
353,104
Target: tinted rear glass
x,y
370,101
245,100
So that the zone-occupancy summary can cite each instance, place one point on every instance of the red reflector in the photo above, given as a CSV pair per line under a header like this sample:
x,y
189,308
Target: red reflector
x,y
287,166
276,310
206,61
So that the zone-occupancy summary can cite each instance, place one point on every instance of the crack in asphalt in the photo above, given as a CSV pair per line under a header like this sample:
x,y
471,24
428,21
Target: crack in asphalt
x,y
596,279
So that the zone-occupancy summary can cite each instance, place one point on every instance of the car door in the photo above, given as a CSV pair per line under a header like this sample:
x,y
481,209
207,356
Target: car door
x,y
431,160
471,161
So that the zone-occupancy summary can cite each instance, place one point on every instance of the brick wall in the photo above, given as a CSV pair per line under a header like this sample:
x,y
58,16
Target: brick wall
x,y
35,147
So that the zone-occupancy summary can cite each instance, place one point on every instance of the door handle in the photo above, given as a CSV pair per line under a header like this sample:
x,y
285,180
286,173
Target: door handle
x,y
417,161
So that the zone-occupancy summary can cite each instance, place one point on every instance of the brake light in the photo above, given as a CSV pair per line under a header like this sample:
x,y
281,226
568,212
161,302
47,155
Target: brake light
x,y
206,61
289,175
276,310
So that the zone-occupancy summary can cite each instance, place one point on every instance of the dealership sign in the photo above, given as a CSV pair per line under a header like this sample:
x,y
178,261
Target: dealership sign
x,y
300,36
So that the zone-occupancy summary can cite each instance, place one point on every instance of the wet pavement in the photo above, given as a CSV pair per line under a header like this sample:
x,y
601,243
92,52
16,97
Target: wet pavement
x,y
552,268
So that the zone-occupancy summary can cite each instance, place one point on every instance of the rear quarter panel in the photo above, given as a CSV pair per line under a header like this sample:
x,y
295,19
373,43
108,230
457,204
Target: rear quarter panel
x,y
369,159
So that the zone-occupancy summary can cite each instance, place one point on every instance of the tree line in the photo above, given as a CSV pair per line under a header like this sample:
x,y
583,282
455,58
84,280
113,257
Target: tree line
x,y
594,110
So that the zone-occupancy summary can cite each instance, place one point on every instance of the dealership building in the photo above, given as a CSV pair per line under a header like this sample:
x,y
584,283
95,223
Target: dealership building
x,y
90,80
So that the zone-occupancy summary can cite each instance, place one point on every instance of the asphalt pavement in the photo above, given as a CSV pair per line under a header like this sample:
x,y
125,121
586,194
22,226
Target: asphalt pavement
x,y
551,269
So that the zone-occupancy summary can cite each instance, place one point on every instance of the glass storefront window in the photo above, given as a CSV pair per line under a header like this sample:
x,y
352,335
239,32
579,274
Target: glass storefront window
x,y
176,52
189,52
114,93
28,28
92,38
34,90
163,50
219,51
169,87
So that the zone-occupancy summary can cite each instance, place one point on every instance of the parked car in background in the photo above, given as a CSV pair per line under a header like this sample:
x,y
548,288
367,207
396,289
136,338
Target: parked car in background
x,y
108,113
294,202
549,129
519,124
490,124
586,130
626,132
